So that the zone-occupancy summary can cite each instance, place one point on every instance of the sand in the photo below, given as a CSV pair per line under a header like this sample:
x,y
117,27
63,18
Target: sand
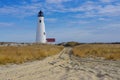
x,y
63,66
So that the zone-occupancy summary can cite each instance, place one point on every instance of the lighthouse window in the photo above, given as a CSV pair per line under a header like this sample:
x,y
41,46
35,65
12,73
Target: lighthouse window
x,y
44,33
40,21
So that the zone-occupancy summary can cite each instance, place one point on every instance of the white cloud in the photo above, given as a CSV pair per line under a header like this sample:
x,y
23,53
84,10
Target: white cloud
x,y
107,1
88,9
56,1
103,19
114,26
110,10
21,10
96,10
87,6
17,36
6,24
86,35
51,19
79,22
35,0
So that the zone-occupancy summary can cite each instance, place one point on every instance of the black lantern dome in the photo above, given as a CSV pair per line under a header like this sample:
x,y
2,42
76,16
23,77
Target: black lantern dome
x,y
40,14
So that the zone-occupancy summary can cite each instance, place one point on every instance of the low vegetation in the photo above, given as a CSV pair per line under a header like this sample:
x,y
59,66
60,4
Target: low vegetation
x,y
20,54
107,51
70,44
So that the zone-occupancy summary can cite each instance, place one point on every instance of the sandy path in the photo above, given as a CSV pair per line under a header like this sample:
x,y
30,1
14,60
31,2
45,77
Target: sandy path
x,y
63,66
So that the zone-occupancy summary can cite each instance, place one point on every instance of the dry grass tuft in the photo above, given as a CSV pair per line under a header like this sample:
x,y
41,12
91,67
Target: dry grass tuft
x,y
12,54
108,51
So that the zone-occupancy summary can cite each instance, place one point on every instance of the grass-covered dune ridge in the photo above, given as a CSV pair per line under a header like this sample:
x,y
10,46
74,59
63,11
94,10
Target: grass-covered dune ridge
x,y
20,54
107,51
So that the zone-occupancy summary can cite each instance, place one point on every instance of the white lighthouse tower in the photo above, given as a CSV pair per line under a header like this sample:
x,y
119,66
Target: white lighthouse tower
x,y
41,34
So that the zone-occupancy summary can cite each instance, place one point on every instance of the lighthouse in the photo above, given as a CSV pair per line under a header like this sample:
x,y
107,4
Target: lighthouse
x,y
41,34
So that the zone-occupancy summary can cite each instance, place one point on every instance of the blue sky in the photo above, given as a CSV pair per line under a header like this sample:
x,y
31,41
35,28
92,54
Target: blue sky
x,y
65,20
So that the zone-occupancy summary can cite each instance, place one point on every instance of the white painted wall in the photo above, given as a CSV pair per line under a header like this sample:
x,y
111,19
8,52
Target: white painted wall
x,y
41,34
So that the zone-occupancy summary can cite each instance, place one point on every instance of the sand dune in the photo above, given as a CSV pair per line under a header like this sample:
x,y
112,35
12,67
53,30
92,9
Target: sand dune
x,y
63,66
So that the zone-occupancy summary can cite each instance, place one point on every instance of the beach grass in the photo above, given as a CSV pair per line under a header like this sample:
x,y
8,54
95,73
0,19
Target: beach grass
x,y
21,54
107,51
